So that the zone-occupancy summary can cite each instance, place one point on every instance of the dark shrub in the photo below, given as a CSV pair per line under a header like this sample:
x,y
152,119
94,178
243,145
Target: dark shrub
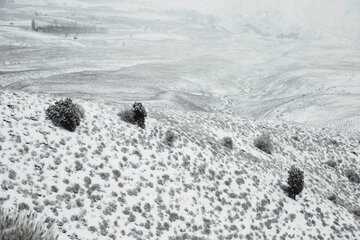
x,y
227,142
331,163
263,142
66,114
356,212
352,176
135,116
332,198
170,137
139,114
24,226
334,142
296,138
295,182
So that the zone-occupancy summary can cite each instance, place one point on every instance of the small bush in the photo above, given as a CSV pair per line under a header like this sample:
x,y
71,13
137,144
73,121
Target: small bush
x,y
135,116
24,226
331,163
170,137
296,138
66,114
263,142
356,212
352,176
139,114
295,182
333,198
227,142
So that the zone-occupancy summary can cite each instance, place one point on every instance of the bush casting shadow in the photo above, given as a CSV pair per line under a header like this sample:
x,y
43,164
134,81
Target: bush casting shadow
x,y
135,116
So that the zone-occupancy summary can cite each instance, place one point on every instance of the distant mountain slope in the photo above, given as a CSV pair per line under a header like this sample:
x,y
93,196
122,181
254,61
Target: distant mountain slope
x,y
113,180
294,60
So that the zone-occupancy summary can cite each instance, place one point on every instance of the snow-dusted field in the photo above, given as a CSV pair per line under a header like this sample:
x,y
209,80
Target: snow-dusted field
x,y
279,59
113,180
204,70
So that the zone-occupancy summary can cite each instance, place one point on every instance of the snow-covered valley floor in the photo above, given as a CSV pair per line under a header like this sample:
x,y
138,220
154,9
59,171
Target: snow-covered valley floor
x,y
113,180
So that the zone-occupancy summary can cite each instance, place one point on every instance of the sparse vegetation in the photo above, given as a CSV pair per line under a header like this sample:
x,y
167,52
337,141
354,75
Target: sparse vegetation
x,y
135,116
356,212
333,198
66,114
227,142
129,178
352,176
23,226
170,137
59,27
331,163
263,142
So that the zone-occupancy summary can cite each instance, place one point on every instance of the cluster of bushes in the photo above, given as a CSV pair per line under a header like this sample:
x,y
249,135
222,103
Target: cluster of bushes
x,y
24,226
66,114
64,27
295,181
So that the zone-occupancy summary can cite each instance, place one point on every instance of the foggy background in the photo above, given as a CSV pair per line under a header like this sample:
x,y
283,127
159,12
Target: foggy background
x,y
281,59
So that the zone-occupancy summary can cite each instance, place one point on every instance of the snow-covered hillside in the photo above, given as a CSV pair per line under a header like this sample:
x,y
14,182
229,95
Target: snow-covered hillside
x,y
113,180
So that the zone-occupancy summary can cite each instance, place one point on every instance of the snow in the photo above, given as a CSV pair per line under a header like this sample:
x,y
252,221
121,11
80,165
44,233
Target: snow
x,y
205,70
281,59
142,188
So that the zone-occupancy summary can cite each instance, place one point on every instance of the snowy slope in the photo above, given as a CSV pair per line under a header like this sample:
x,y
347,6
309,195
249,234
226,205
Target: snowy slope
x,y
112,180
